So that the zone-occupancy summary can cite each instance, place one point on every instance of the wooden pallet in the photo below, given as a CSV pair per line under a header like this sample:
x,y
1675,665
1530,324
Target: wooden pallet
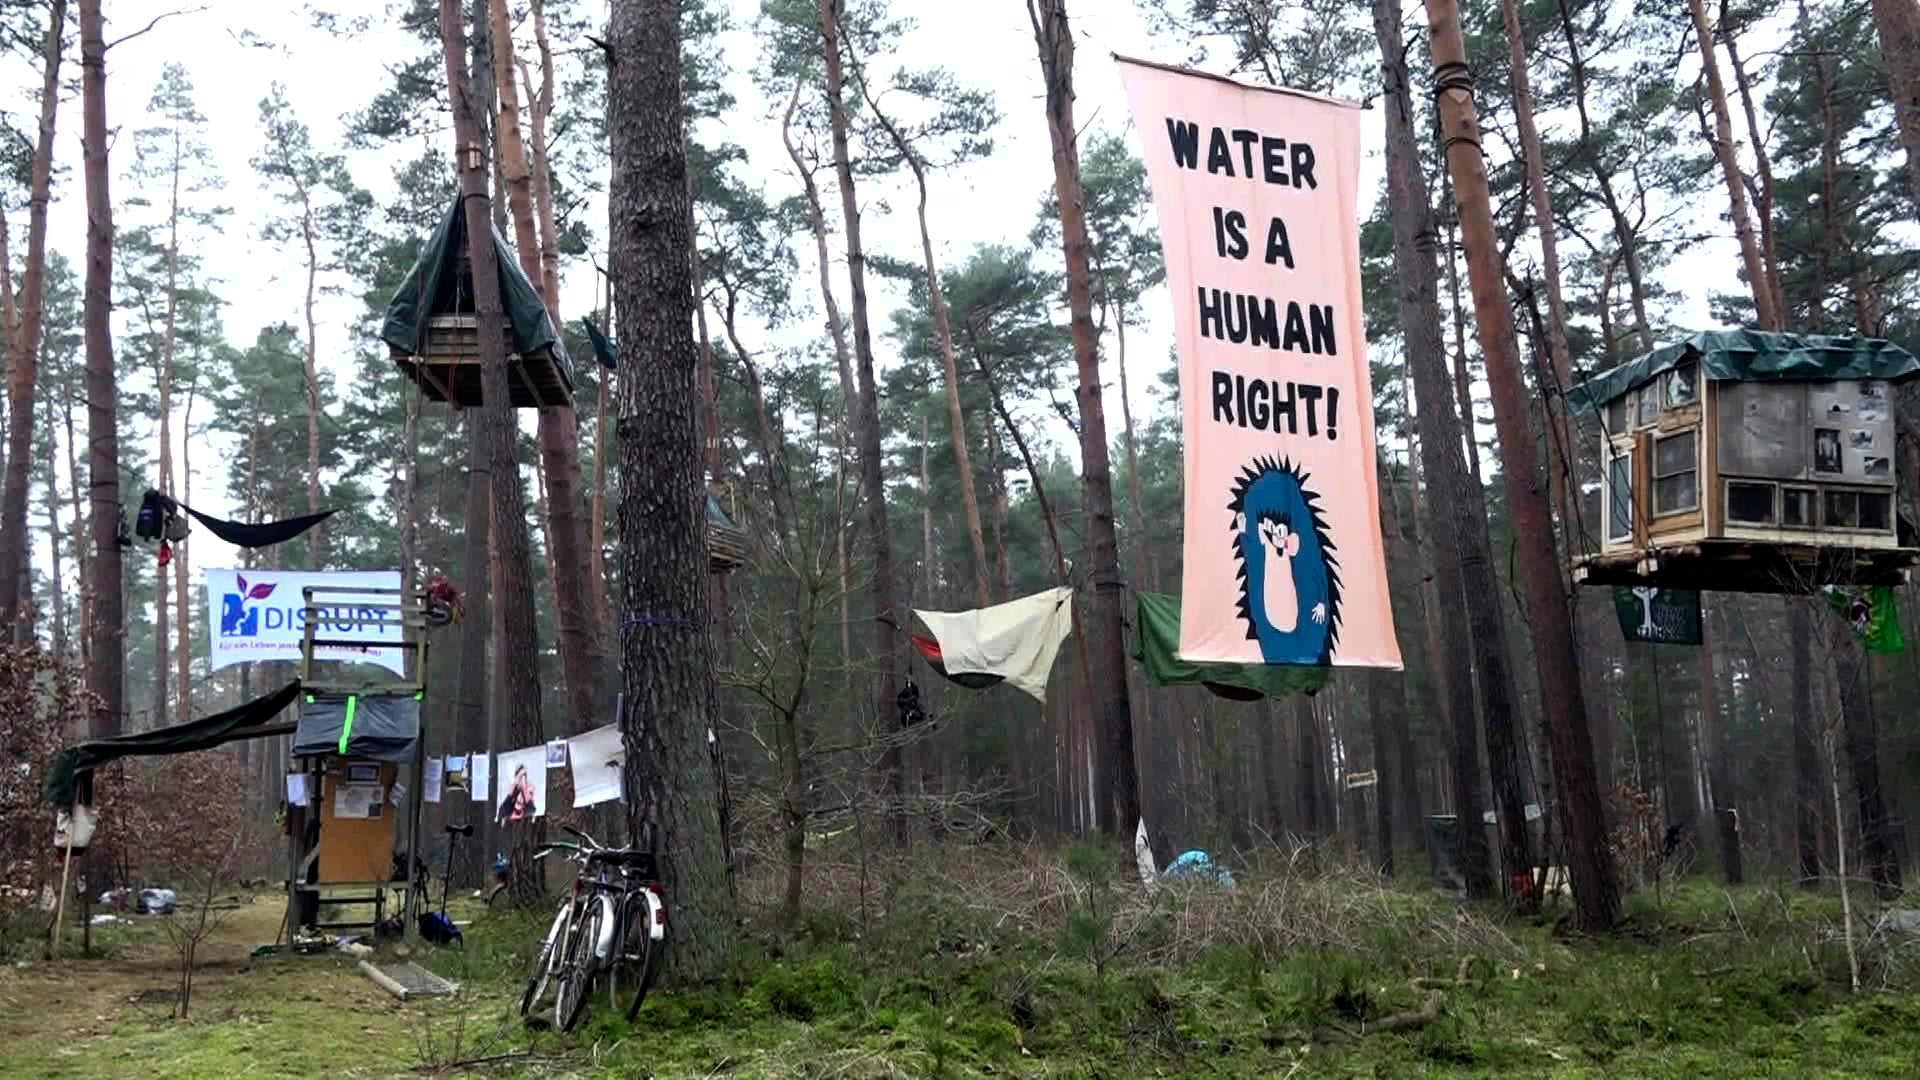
x,y
1747,566
450,370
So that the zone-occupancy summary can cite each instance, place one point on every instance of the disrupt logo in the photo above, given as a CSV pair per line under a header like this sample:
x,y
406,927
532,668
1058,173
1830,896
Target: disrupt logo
x,y
242,616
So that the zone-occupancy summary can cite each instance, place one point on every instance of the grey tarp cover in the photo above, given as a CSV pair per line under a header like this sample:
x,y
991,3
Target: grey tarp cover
x,y
383,727
247,721
429,289
1753,356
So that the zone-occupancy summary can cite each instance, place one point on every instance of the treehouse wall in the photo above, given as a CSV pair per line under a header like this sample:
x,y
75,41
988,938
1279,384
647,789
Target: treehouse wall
x,y
1773,462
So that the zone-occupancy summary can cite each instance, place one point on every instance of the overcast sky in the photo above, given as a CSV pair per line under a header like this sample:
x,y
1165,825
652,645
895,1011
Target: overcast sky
x,y
986,42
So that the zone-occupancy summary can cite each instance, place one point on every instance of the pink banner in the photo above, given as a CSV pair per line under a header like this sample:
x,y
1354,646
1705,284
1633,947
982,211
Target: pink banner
x,y
1257,191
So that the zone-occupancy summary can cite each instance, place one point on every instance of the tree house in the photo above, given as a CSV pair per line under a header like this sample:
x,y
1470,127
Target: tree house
x,y
726,542
1743,461
433,335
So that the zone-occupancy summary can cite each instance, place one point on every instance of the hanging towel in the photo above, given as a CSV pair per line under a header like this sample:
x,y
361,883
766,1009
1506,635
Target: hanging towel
x,y
1017,640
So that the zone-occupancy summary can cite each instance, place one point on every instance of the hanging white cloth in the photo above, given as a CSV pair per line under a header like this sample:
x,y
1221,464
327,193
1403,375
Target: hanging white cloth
x,y
1017,640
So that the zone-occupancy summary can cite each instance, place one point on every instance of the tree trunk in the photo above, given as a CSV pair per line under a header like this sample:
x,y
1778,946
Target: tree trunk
x,y
949,367
106,675
162,631
507,522
1562,449
1596,893
674,802
542,109
55,543
1382,695
183,607
1807,799
1724,149
888,633
1898,23
559,426
1713,744
1471,627
317,546
1863,760
23,340
1763,198
1119,805
1148,569
471,716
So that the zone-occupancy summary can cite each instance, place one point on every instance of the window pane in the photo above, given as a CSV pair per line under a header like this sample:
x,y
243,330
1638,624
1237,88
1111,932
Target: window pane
x,y
1617,414
1672,493
1842,510
1750,502
1682,386
1673,454
1620,498
1649,400
1796,508
1876,511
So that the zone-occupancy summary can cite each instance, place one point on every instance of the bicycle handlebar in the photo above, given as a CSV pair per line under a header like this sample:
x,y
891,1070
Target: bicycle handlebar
x,y
590,840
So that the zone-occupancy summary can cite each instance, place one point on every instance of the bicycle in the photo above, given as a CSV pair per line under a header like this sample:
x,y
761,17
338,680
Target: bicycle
x,y
607,924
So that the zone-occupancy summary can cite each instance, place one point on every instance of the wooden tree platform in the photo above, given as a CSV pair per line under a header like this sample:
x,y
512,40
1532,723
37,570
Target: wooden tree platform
x,y
451,369
1749,567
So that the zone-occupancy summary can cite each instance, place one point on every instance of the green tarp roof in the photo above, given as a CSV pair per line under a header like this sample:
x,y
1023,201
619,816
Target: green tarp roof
x,y
1754,356
247,721
433,287
1156,645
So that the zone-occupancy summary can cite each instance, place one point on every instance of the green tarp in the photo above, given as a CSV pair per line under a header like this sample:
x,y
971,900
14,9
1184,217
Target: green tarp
x,y
1156,646
1753,356
1873,614
383,727
434,287
247,721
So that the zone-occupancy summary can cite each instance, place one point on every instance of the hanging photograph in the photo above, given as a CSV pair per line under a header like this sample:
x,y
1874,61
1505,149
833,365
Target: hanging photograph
x,y
1860,439
523,786
557,754
1826,450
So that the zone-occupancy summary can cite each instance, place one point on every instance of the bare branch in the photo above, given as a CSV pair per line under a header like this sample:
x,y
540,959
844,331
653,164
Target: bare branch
x,y
156,21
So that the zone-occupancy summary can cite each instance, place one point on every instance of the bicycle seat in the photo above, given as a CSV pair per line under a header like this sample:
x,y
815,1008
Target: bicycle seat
x,y
463,829
628,857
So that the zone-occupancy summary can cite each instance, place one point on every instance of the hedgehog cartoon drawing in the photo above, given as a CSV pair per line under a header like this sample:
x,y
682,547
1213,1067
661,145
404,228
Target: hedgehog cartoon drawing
x,y
1289,577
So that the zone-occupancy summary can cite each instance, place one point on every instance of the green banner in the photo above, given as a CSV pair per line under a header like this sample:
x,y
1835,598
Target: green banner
x,y
1872,612
1659,616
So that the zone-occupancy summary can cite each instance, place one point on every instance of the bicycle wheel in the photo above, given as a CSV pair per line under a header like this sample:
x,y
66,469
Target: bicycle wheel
x,y
545,958
495,893
634,966
576,971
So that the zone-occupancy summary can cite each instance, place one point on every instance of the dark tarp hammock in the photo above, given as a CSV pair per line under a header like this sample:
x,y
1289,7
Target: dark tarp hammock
x,y
929,650
1156,646
72,766
267,534
603,349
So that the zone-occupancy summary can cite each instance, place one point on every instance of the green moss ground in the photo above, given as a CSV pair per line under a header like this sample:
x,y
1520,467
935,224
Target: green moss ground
x,y
1694,988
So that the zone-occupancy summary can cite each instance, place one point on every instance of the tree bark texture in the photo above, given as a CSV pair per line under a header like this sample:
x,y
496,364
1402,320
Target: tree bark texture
x,y
1119,806
559,427
106,672
1472,631
22,338
1807,798
889,636
1898,24
510,561
1596,891
1728,153
674,796
1882,858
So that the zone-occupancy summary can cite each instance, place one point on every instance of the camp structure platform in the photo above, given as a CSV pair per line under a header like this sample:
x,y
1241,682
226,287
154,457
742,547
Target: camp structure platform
x,y
432,330
1743,566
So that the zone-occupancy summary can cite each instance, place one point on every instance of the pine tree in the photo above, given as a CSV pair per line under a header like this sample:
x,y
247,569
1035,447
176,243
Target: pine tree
x,y
20,339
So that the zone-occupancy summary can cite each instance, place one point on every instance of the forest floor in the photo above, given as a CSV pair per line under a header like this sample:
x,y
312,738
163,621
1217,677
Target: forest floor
x,y
1024,969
